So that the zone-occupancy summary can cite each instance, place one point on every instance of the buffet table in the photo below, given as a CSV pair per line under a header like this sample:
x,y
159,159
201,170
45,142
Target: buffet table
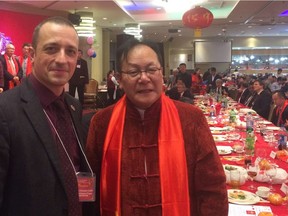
x,y
227,136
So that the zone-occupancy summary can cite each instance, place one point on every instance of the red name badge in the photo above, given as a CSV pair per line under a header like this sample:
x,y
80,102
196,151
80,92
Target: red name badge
x,y
86,186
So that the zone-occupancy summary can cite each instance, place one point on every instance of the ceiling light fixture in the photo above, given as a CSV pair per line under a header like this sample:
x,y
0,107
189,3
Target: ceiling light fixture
x,y
86,27
133,29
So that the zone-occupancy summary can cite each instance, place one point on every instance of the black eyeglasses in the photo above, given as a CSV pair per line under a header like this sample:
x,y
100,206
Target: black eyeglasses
x,y
137,73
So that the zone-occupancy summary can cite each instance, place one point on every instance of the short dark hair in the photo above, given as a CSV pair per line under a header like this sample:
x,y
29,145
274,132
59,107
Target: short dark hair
x,y
213,69
124,49
182,64
244,84
280,94
261,83
26,44
57,20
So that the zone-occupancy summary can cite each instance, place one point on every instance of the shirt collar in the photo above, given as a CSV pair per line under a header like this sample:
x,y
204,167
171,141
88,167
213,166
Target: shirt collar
x,y
45,95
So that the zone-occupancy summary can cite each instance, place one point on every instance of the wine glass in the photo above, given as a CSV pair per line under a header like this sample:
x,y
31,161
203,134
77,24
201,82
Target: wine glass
x,y
252,170
271,172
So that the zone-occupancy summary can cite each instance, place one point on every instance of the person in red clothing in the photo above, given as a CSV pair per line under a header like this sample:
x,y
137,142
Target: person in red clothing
x,y
25,59
11,68
153,155
196,80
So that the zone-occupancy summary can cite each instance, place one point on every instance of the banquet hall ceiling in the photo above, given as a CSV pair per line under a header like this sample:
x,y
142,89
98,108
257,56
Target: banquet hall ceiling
x,y
156,17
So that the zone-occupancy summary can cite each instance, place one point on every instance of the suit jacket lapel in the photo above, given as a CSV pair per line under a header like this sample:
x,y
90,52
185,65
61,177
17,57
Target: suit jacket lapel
x,y
33,110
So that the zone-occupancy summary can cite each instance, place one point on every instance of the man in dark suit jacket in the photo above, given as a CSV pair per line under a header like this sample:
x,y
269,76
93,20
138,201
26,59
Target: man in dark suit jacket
x,y
11,68
184,75
38,162
262,101
244,93
212,79
79,78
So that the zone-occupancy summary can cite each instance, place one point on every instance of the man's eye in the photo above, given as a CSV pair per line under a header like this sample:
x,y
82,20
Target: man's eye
x,y
50,49
133,73
71,52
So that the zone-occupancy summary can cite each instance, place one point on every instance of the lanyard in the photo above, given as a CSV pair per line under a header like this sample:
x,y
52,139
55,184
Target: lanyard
x,y
54,128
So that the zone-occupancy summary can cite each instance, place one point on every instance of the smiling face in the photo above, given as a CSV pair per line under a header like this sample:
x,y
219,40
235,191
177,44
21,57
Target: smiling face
x,y
55,55
145,89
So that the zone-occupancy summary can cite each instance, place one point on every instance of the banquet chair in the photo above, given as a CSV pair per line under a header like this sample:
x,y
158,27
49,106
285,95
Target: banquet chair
x,y
90,94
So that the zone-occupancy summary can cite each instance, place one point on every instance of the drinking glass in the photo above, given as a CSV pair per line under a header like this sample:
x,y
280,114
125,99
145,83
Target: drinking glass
x,y
235,179
252,170
271,172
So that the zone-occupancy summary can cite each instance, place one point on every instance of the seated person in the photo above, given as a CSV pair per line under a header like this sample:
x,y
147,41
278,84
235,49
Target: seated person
x,y
244,93
280,113
220,89
181,92
262,101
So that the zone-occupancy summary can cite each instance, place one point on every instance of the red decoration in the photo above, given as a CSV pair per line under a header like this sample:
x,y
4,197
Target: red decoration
x,y
197,18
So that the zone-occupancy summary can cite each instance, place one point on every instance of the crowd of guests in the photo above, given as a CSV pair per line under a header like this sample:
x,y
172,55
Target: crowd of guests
x,y
141,149
266,94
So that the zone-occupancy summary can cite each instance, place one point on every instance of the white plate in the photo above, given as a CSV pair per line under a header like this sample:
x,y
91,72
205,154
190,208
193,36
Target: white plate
x,y
249,198
219,138
217,128
265,197
272,128
224,150
246,110
265,122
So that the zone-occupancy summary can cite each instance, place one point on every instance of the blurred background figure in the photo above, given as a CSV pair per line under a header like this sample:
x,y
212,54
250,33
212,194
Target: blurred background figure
x,y
172,79
11,68
280,113
25,59
196,80
112,86
79,78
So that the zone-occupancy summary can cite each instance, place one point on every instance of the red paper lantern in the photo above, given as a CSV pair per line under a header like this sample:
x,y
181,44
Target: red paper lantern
x,y
197,18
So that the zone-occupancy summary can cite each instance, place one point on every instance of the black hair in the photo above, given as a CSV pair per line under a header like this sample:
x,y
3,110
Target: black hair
x,y
124,49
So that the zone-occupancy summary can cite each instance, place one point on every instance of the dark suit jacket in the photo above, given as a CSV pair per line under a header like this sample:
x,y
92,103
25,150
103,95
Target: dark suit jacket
x,y
80,76
7,76
262,104
31,180
243,97
223,89
212,83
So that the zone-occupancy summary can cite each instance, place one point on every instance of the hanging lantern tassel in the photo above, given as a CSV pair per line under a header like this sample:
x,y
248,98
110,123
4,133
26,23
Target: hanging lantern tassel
x,y
197,32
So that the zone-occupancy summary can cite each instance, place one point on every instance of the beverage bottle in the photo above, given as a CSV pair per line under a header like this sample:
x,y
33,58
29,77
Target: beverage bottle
x,y
249,123
232,116
250,143
282,142
212,112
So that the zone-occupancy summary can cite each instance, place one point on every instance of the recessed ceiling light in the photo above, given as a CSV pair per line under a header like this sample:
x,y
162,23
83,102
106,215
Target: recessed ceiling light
x,y
86,7
104,18
260,20
114,24
219,34
230,21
